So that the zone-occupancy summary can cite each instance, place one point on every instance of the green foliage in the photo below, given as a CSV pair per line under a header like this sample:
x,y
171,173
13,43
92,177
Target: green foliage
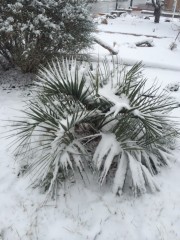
x,y
33,32
104,120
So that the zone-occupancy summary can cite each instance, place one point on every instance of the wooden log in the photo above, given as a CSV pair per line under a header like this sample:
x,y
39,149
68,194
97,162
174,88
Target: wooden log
x,y
106,46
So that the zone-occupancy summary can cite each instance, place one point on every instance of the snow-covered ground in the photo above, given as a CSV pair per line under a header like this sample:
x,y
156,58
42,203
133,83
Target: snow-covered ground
x,y
125,31
91,212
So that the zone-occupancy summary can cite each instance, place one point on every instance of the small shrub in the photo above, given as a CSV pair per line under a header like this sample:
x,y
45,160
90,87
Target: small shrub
x,y
103,119
33,32
173,45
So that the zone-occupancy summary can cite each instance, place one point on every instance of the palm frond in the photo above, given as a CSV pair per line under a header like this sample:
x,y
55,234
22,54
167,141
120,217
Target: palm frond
x,y
138,119
64,79
105,119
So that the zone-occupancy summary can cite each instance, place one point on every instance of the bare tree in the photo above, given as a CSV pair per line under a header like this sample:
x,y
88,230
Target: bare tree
x,y
157,10
131,3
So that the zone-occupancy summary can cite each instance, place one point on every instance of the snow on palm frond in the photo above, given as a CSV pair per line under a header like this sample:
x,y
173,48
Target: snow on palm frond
x,y
65,77
106,151
138,119
47,137
104,119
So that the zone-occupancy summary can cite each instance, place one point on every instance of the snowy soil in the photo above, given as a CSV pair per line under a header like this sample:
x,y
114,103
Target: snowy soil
x,y
162,35
88,211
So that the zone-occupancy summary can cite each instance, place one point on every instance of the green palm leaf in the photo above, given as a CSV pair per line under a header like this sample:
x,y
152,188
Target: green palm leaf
x,y
105,119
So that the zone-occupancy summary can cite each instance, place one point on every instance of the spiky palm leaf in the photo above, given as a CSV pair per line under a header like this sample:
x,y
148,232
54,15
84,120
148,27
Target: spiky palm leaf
x,y
106,114
48,138
65,79
141,128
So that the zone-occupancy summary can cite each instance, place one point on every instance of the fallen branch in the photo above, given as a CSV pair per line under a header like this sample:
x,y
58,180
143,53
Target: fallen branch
x,y
104,45
145,43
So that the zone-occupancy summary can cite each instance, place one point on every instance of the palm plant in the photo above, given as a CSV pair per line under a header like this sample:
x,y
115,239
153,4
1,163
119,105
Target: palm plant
x,y
102,120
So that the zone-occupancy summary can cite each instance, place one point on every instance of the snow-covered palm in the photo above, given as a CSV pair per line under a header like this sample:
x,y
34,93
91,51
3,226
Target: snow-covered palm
x,y
102,119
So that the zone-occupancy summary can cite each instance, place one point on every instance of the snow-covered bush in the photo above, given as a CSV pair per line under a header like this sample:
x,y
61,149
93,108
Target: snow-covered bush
x,y
104,120
173,45
34,31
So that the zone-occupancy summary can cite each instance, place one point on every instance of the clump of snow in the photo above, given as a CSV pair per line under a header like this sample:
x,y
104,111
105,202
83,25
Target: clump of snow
x,y
119,102
107,149
173,87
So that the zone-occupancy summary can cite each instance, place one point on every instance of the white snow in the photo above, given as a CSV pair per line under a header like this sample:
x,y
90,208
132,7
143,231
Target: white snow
x,y
89,211
119,102
121,30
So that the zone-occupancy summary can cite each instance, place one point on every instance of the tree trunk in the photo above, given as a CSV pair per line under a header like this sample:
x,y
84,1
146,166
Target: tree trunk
x,y
116,4
131,3
157,14
157,10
